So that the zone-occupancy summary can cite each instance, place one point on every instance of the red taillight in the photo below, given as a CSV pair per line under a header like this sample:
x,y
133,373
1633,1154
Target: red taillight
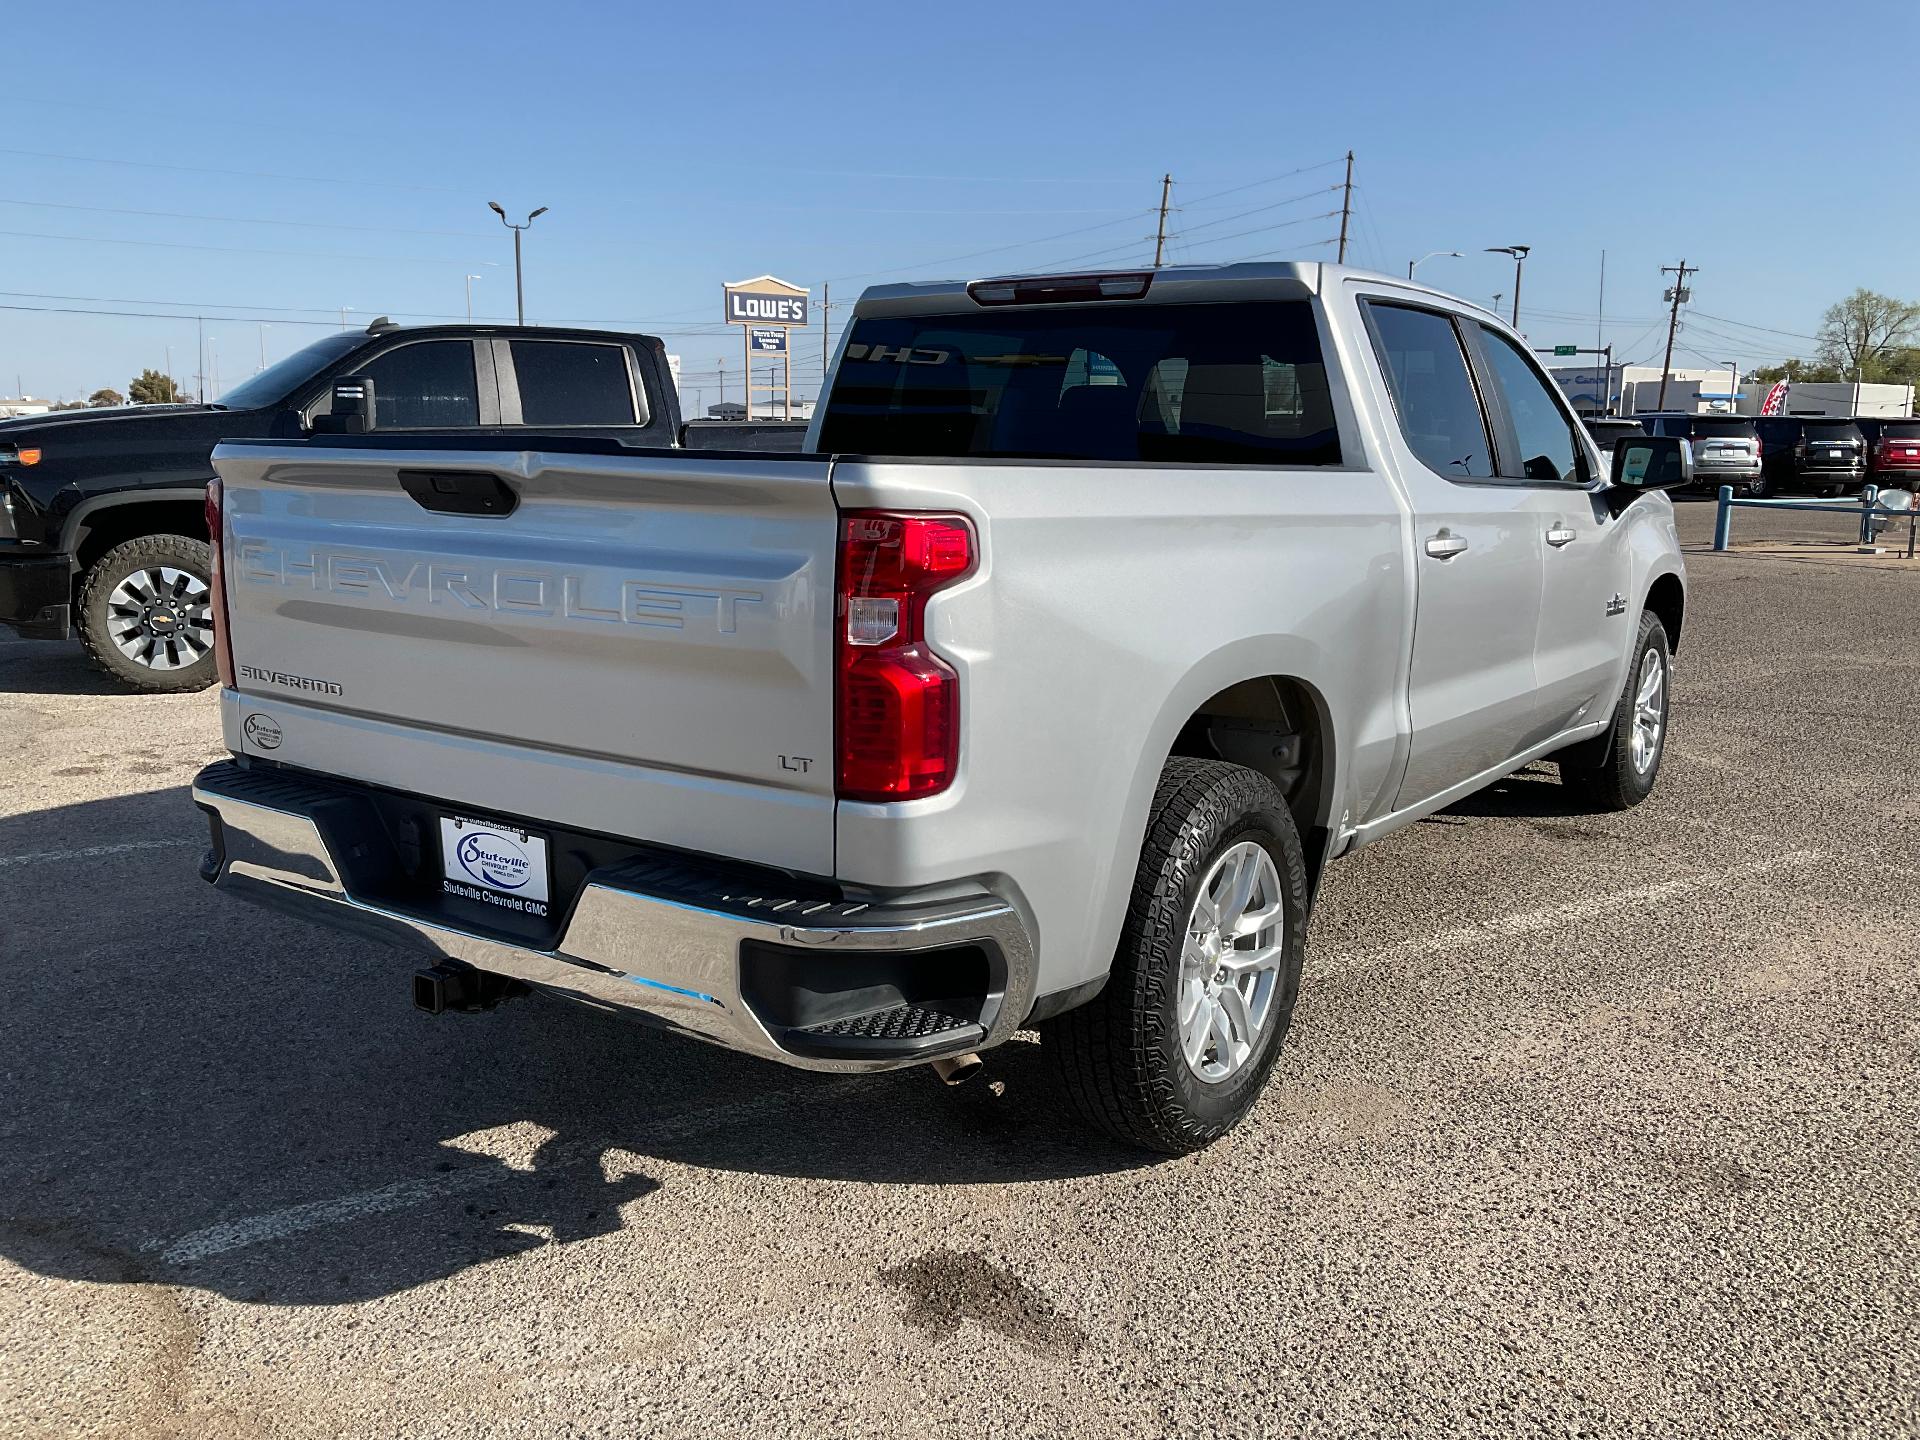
x,y
899,702
217,585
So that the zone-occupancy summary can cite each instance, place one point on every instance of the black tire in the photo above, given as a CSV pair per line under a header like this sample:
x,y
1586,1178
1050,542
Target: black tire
x,y
171,666
1603,771
1118,1057
1759,489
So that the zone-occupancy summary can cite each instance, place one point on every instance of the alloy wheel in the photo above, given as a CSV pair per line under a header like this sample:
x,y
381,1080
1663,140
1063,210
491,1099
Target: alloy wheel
x,y
159,617
1230,962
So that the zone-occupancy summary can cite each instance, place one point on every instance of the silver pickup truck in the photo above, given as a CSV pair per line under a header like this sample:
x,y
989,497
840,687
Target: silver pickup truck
x,y
1099,614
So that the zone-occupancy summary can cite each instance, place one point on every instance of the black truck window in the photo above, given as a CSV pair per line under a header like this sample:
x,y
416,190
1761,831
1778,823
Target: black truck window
x,y
425,385
565,382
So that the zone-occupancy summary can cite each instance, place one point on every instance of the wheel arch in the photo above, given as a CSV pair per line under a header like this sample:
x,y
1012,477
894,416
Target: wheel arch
x,y
1667,599
95,526
1262,700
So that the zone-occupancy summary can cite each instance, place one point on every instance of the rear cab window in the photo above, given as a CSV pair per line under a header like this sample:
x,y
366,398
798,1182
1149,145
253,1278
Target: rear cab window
x,y
574,382
1239,383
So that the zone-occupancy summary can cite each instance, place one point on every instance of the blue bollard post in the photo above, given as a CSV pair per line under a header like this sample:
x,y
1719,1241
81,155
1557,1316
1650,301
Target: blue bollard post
x,y
1723,521
1869,498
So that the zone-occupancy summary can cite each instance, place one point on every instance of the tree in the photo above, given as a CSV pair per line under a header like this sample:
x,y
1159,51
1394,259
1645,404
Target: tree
x,y
1859,335
1798,372
150,387
106,396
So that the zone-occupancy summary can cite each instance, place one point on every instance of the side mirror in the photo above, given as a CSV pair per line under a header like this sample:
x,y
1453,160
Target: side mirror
x,y
1652,462
352,412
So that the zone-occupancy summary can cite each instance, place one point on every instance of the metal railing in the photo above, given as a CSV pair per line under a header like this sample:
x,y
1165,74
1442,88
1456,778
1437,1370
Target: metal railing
x,y
1867,507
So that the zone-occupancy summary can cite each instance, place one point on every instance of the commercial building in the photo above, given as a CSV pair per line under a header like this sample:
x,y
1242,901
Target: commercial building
x,y
1635,390
22,405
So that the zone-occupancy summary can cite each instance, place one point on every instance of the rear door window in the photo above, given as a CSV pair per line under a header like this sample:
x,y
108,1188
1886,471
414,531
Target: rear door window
x,y
566,382
1221,384
1433,391
428,385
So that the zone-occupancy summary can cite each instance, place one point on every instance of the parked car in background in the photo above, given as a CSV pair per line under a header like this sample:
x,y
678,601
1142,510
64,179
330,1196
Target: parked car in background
x,y
1606,430
1830,457
1157,602
1893,451
1726,451
1667,422
102,528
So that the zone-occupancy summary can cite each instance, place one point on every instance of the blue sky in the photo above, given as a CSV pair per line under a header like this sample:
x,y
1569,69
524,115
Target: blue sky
x,y
289,161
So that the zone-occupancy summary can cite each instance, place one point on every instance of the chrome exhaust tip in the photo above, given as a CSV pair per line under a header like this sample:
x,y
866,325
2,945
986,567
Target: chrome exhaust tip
x,y
956,1069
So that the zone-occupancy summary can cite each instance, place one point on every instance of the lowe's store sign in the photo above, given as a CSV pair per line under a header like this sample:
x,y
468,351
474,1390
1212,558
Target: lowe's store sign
x,y
765,301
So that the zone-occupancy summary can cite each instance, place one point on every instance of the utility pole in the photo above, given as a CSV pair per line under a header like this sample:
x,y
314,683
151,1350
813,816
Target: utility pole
x,y
1600,340
826,323
1678,294
1346,207
1160,236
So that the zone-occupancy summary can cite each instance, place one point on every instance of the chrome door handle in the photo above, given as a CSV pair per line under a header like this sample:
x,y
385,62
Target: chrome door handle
x,y
1561,535
1445,545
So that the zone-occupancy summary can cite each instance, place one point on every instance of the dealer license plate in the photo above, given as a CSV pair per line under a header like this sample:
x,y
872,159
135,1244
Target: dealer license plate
x,y
494,864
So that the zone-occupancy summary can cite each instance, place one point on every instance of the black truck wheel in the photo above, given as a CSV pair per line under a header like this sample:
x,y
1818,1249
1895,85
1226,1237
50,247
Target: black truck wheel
x,y
1178,1046
1616,770
145,613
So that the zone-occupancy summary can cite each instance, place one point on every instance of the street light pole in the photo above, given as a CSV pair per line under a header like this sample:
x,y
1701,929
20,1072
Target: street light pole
x,y
1412,264
519,295
1519,254
1733,386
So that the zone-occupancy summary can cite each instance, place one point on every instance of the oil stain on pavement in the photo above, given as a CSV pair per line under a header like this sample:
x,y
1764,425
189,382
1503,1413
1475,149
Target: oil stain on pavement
x,y
945,1287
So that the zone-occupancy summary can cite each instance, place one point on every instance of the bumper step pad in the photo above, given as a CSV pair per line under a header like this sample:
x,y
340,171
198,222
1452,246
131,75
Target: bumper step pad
x,y
898,1030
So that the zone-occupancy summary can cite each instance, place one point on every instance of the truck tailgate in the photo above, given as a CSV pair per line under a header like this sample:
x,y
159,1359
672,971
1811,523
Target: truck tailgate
x,y
634,644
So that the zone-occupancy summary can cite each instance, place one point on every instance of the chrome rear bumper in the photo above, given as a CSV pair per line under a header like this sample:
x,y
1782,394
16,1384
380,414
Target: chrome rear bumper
x,y
647,937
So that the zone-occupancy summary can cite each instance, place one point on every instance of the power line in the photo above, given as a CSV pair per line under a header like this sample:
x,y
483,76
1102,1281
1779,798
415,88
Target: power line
x,y
1744,325
159,315
201,307
1258,209
242,174
1264,229
241,219
1270,180
234,249
1291,249
997,249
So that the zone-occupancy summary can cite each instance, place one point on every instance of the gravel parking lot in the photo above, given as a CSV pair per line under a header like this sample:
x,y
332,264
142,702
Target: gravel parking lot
x,y
1597,1126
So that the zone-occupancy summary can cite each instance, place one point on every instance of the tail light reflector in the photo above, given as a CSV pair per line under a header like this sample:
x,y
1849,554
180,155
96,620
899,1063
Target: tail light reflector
x,y
217,586
898,708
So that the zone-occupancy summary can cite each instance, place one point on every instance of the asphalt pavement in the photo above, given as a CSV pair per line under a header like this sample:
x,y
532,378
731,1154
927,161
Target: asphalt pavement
x,y
1588,1125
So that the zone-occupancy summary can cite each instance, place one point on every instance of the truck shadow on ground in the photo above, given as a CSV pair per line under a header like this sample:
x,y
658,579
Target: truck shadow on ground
x,y
206,1094
52,667
1534,793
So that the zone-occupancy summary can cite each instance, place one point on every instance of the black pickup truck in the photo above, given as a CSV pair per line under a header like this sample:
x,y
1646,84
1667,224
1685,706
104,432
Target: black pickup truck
x,y
102,524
